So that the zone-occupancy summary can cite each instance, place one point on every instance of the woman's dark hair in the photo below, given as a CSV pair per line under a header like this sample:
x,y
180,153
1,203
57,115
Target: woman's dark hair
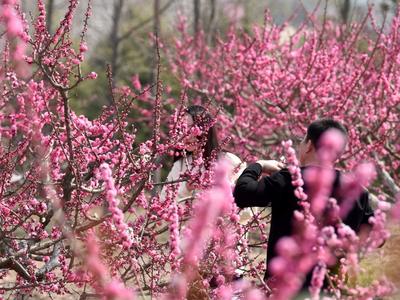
x,y
203,119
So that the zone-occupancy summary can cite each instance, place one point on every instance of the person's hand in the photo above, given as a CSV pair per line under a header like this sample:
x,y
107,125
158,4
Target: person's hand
x,y
270,166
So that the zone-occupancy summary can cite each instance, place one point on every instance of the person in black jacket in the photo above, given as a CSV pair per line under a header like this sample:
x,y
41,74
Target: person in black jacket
x,y
277,190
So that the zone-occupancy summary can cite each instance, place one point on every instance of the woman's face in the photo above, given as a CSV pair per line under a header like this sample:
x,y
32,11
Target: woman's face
x,y
191,141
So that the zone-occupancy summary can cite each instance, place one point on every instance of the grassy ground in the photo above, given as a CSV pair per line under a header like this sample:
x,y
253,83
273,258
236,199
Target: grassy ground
x,y
384,262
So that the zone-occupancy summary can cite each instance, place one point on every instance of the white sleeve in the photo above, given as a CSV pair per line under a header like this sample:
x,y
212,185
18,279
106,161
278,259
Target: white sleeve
x,y
173,174
237,166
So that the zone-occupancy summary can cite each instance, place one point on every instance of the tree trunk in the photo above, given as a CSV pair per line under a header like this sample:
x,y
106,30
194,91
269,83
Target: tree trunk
x,y
196,16
156,16
156,32
116,19
345,10
211,22
49,15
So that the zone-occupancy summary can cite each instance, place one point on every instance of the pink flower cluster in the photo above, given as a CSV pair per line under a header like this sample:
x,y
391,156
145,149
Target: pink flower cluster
x,y
111,288
294,169
210,207
15,26
116,214
379,233
174,236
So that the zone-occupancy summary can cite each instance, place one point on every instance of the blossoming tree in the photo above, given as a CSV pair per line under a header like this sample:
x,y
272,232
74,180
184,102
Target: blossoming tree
x,y
80,210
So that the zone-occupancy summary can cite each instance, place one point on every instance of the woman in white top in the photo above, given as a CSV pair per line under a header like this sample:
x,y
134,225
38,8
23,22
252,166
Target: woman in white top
x,y
201,143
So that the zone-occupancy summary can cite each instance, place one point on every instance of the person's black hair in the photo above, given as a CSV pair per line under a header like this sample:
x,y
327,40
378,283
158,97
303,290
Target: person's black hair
x,y
203,119
318,127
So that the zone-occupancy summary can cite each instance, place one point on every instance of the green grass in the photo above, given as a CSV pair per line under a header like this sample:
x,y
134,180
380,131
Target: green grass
x,y
384,262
